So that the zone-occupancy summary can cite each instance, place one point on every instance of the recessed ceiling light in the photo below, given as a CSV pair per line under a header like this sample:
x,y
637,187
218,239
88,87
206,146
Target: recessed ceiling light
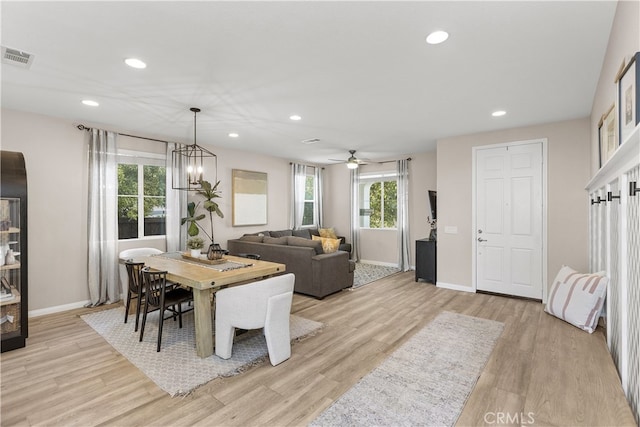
x,y
90,103
233,135
295,117
135,63
437,37
498,113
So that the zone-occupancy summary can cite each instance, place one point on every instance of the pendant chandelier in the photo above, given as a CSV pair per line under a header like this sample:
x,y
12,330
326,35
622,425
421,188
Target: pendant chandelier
x,y
188,163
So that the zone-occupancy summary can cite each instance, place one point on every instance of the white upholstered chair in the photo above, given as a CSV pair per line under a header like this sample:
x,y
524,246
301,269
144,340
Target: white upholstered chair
x,y
263,304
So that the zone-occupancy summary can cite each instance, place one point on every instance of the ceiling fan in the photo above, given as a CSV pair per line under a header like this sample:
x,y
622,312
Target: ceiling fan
x,y
352,162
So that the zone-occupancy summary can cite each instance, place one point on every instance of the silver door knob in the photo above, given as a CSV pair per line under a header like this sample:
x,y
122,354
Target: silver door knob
x,y
480,239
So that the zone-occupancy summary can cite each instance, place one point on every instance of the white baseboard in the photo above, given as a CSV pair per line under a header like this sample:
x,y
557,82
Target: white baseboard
x,y
57,308
455,287
384,264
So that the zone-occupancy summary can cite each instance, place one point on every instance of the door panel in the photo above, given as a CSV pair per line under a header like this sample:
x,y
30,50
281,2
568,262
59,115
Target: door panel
x,y
509,220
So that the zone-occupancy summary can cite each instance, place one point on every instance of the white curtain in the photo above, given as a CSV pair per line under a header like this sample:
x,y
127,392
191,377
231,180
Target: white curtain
x,y
319,178
102,218
355,215
176,203
403,214
298,181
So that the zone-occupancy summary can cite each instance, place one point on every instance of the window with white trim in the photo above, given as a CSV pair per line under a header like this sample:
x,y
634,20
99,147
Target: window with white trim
x,y
141,189
309,213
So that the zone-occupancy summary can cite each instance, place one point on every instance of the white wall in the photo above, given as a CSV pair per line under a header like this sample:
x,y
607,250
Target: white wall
x,y
567,204
56,160
624,41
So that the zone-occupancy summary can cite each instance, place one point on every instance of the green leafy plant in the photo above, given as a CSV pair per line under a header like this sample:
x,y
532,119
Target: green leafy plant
x,y
209,193
195,243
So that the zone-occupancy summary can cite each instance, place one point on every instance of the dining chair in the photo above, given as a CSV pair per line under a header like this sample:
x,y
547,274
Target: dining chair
x,y
135,288
162,296
129,254
262,304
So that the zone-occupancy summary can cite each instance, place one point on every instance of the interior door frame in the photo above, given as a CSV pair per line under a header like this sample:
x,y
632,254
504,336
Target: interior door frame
x,y
474,242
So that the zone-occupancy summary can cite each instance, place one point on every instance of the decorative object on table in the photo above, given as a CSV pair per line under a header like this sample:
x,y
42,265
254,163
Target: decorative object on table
x,y
215,252
195,245
433,224
607,135
426,381
628,81
187,163
178,349
249,197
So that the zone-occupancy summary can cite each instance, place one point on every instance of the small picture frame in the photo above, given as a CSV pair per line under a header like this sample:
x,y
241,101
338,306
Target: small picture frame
x,y
607,135
628,93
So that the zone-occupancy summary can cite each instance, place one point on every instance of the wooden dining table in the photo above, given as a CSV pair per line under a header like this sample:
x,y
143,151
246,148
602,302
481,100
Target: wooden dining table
x,y
205,279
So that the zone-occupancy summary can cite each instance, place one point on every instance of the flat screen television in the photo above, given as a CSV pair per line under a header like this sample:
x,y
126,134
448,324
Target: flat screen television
x,y
432,204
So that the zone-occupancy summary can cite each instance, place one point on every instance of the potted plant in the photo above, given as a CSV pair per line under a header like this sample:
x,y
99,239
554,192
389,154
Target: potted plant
x,y
195,244
209,192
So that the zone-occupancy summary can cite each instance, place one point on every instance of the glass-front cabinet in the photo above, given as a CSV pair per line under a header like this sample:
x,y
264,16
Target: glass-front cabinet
x,y
13,246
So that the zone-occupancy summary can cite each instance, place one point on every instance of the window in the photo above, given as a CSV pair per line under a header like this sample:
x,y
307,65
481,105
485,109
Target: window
x,y
308,217
141,188
379,200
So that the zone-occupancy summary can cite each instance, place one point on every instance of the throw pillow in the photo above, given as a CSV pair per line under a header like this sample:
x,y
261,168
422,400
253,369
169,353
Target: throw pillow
x,y
252,238
328,245
327,232
280,233
302,233
275,240
305,243
577,298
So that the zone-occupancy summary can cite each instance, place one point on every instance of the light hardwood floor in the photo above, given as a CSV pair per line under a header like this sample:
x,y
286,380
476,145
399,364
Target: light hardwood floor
x,y
542,370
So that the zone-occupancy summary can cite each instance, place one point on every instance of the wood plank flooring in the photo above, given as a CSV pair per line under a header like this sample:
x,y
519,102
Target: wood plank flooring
x,y
542,370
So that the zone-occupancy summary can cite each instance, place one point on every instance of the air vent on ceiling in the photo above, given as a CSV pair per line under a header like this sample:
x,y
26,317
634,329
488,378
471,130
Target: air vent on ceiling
x,y
311,141
16,57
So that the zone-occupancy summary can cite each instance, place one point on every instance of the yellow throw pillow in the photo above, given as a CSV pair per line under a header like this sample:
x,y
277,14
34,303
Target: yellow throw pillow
x,y
327,232
328,245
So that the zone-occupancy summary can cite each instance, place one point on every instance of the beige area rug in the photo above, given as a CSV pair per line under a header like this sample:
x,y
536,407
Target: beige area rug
x,y
425,382
177,369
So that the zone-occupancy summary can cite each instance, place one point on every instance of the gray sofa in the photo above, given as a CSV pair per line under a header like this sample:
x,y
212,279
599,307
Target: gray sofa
x,y
317,274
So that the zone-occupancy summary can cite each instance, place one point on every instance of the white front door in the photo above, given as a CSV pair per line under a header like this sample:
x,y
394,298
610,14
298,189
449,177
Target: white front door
x,y
509,231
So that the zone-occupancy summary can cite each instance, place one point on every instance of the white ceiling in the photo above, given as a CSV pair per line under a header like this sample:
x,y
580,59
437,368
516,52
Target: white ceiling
x,y
359,73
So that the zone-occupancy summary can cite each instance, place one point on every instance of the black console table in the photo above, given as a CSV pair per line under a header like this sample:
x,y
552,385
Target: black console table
x,y
426,266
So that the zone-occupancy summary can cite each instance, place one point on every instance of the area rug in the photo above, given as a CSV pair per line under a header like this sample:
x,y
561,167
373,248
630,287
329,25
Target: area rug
x,y
367,273
425,382
177,369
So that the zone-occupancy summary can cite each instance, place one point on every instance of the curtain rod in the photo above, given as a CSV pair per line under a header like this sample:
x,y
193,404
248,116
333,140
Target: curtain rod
x,y
83,127
391,161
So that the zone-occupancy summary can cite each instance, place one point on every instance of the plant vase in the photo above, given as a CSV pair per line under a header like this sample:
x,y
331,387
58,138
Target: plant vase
x,y
195,253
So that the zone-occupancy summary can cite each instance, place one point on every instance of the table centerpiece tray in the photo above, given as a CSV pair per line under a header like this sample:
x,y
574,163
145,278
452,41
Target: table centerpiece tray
x,y
202,260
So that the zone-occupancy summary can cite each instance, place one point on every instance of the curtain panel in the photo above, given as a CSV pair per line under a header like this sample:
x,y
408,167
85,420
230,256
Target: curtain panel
x,y
355,214
402,168
103,219
298,181
176,201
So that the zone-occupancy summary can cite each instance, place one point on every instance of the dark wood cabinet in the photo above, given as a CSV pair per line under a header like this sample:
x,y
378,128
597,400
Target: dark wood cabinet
x,y
13,251
426,266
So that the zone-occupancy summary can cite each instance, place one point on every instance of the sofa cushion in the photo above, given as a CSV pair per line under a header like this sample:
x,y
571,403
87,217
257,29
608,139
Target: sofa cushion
x,y
252,238
577,298
275,240
306,243
302,233
328,245
313,231
280,233
328,232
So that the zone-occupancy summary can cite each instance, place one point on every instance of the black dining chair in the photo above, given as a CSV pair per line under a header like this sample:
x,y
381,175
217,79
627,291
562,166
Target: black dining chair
x,y
136,288
162,296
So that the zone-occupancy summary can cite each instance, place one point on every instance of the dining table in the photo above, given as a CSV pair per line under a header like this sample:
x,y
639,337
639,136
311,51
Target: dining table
x,y
205,277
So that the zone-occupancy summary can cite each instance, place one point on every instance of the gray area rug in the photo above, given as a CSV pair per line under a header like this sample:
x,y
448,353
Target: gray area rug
x,y
367,273
425,382
177,369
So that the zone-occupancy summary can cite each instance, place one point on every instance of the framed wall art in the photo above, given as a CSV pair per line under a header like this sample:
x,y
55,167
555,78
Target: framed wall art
x,y
628,94
249,201
607,134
